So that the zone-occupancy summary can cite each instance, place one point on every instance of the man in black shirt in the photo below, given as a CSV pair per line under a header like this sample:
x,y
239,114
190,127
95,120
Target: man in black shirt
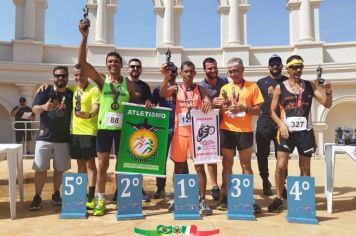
x,y
54,105
22,112
266,130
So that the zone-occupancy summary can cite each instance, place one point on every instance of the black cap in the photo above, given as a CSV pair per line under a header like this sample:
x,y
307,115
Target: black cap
x,y
22,99
274,57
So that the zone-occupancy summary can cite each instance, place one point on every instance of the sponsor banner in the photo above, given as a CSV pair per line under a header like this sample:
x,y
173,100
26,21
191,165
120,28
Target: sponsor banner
x,y
176,230
206,137
143,141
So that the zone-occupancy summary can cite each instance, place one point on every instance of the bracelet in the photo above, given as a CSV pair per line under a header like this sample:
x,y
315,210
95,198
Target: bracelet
x,y
329,94
247,109
89,116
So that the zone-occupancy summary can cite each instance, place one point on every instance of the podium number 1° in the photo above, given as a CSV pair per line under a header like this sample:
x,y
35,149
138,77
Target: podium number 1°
x,y
191,184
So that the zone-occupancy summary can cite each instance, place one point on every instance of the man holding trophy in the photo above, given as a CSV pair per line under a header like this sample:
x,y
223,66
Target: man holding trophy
x,y
114,90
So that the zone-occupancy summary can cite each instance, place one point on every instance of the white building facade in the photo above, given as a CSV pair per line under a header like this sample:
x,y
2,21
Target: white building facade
x,y
26,62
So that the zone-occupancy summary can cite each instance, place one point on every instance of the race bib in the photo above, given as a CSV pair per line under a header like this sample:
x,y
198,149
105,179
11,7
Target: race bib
x,y
234,115
184,120
113,119
296,123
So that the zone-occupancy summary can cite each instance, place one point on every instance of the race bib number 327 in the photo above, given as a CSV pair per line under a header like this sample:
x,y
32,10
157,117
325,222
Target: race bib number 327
x,y
296,123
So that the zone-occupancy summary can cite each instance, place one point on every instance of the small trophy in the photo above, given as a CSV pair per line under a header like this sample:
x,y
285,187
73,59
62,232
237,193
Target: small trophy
x,y
170,65
319,72
85,20
78,106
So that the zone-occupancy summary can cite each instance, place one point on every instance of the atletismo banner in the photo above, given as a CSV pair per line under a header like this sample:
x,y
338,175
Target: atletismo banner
x,y
205,135
143,141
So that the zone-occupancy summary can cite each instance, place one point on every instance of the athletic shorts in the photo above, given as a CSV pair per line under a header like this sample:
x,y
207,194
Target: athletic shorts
x,y
45,151
20,136
304,141
83,147
181,145
232,140
105,138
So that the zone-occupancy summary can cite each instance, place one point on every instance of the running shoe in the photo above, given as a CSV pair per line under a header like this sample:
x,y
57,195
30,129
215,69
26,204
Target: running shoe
x,y
36,202
100,207
222,206
204,208
276,206
215,193
56,198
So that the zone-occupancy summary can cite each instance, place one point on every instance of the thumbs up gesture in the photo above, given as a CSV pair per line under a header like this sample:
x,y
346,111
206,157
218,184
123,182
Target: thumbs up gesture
x,y
49,105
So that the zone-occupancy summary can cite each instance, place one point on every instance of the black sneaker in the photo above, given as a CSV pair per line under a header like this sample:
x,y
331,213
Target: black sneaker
x,y
56,199
222,206
172,206
36,202
159,194
267,191
285,195
276,206
145,197
114,199
256,208
215,193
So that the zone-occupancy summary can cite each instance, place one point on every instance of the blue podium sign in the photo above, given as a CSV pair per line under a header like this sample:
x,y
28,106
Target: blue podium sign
x,y
74,196
240,197
301,200
186,197
129,197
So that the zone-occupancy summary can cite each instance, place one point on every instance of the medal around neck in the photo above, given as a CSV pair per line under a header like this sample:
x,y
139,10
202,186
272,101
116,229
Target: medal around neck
x,y
115,106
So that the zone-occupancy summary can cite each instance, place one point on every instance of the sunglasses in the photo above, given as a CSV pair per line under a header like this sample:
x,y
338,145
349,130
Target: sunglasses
x,y
273,64
296,67
135,66
60,75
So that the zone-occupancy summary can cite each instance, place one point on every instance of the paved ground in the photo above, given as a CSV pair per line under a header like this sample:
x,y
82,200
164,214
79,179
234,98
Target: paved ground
x,y
46,222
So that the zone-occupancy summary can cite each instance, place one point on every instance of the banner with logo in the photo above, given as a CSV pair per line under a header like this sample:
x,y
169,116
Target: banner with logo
x,y
143,141
206,137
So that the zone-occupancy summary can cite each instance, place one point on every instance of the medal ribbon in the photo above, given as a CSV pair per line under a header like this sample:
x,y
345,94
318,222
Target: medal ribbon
x,y
115,93
298,98
235,99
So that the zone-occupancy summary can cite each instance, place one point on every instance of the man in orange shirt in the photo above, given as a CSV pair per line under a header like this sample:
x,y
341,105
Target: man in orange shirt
x,y
241,100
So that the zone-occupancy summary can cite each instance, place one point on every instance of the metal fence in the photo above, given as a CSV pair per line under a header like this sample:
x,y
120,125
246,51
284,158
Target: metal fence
x,y
33,131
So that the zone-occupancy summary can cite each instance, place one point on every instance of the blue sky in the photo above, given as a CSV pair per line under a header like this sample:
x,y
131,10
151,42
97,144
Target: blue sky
x,y
200,23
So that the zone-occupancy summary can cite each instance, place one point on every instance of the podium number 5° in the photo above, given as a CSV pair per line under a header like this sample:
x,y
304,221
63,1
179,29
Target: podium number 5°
x,y
237,184
68,184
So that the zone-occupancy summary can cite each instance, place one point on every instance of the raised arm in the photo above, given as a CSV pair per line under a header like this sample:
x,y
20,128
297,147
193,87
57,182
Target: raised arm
x,y
326,99
87,68
166,90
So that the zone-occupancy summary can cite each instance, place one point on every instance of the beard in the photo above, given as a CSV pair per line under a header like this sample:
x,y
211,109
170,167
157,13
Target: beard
x,y
61,83
275,73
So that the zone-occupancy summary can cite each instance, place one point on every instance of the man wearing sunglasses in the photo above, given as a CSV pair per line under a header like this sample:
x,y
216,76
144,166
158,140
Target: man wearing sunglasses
x,y
266,130
242,100
295,95
54,105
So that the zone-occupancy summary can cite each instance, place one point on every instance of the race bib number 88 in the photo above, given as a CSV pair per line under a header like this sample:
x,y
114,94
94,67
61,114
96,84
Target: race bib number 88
x,y
296,123
113,119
